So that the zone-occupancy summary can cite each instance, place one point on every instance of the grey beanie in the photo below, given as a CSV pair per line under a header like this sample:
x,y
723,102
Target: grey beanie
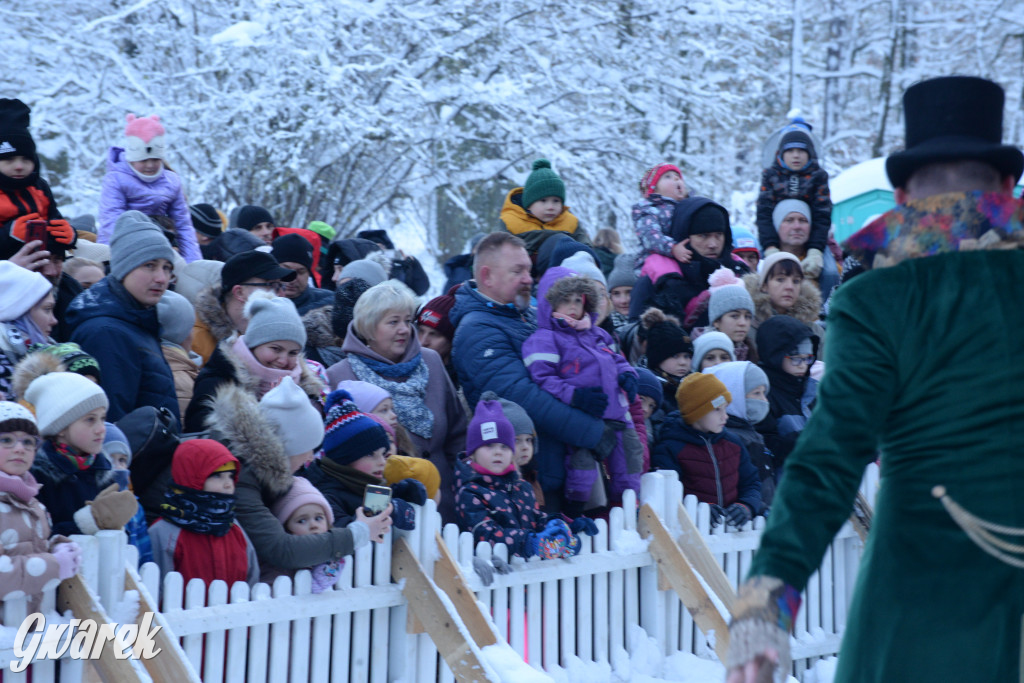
x,y
703,344
622,273
369,271
272,319
176,316
754,377
137,240
729,298
788,206
521,422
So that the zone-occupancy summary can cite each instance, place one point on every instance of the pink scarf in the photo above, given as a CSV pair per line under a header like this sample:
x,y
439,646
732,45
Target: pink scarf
x,y
24,488
583,323
268,377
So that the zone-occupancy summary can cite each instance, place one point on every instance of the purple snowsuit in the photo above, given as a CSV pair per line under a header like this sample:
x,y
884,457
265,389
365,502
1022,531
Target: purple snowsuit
x,y
123,190
561,359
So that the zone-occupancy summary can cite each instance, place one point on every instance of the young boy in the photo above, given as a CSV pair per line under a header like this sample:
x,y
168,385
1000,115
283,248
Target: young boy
x,y
197,535
495,503
669,350
24,195
795,174
573,359
537,210
711,465
304,511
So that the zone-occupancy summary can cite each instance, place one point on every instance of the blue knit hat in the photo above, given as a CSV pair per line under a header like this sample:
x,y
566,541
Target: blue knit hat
x,y
348,433
489,425
650,385
115,442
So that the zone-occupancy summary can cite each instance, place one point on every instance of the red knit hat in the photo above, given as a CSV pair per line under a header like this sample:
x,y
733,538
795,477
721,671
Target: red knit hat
x,y
653,175
435,314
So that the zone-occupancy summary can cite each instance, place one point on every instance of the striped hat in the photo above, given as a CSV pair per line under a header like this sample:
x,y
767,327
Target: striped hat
x,y
348,433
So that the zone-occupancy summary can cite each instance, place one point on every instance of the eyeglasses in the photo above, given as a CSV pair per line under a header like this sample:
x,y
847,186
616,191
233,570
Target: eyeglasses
x,y
29,443
801,360
276,286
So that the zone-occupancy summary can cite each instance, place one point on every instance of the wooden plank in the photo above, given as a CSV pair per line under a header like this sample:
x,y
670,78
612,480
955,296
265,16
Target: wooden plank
x,y
697,553
75,595
443,626
670,560
170,665
449,577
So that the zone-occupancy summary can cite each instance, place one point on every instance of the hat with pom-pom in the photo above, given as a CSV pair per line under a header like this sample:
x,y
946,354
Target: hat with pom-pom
x,y
489,425
144,138
665,337
797,135
348,433
651,176
301,493
728,293
542,182
272,318
298,423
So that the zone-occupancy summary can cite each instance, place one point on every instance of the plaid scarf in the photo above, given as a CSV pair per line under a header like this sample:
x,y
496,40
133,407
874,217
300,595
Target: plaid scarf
x,y
82,461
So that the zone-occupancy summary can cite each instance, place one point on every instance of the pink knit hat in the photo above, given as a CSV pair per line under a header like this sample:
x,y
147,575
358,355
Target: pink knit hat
x,y
652,175
144,138
301,493
366,396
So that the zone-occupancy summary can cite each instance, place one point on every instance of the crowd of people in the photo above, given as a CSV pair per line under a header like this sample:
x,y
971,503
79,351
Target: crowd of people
x,y
298,373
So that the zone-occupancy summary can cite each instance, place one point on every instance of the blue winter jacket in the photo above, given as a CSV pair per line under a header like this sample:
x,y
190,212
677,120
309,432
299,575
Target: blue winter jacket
x,y
124,337
487,351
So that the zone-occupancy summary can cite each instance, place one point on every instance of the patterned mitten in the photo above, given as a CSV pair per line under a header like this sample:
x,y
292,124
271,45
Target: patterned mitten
x,y
403,515
326,575
763,617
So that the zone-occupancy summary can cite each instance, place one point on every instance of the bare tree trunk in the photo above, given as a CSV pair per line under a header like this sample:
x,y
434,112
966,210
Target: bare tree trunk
x,y
833,62
897,33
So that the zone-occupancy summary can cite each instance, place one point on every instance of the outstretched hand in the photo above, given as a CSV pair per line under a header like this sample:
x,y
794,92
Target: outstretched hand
x,y
761,669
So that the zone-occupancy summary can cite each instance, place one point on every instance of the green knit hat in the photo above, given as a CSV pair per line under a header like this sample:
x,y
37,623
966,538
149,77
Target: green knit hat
x,y
542,182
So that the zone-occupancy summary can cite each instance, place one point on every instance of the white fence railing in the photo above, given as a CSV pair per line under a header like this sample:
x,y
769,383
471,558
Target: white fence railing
x,y
548,611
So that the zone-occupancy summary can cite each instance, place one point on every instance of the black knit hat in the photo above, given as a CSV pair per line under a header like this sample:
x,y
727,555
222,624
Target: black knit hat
x,y
293,248
206,220
15,140
250,216
709,218
665,337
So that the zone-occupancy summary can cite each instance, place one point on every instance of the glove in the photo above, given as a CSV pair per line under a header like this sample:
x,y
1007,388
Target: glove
x,y
717,515
574,547
500,565
403,516
591,400
738,514
326,575
546,545
61,231
609,439
69,558
484,570
812,263
19,229
112,509
763,617
629,383
410,490
583,525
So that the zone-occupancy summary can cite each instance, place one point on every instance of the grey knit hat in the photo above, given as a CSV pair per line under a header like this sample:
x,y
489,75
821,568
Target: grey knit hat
x,y
788,206
136,241
729,298
60,398
176,316
709,341
369,271
521,422
583,264
754,377
622,273
272,319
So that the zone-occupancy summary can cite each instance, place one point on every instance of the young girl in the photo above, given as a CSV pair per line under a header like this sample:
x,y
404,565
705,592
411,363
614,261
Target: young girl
x,y
354,457
79,489
662,186
138,178
374,400
573,360
780,289
730,310
712,348
197,535
26,318
304,511
34,561
669,350
620,287
496,504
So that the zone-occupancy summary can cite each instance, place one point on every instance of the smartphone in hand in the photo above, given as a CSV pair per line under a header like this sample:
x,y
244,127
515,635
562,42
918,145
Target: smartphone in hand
x,y
376,499
36,231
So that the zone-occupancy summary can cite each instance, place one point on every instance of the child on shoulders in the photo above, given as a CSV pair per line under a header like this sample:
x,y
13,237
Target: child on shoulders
x,y
662,187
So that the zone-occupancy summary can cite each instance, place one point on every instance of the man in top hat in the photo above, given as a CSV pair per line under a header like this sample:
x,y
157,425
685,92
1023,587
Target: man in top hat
x,y
921,374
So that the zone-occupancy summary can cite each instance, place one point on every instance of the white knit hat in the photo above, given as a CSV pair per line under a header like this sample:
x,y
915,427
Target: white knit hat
x,y
17,417
767,264
22,289
298,423
60,398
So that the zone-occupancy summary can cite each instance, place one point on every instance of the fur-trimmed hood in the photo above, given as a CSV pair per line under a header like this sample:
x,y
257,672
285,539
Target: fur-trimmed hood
x,y
559,283
319,332
308,381
236,420
31,367
212,314
806,308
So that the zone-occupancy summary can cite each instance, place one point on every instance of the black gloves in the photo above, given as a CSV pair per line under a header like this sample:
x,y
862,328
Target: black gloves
x,y
410,490
591,400
629,383
717,515
736,515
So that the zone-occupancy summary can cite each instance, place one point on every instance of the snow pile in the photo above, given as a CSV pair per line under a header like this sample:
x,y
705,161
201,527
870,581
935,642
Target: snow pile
x,y
510,667
242,34
629,542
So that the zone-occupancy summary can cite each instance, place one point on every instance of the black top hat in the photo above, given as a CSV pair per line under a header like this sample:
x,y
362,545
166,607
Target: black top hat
x,y
950,119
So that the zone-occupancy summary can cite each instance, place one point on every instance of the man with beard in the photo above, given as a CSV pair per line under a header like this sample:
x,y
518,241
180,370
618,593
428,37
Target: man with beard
x,y
493,318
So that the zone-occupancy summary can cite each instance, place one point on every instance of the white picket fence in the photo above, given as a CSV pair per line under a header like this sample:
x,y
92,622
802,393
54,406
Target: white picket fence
x,y
548,611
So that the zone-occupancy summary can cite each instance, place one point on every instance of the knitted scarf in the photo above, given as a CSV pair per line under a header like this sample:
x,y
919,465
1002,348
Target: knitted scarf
x,y
24,488
202,512
82,461
352,479
409,396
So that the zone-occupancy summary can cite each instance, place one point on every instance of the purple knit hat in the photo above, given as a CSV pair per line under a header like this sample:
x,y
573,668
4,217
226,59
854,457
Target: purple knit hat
x,y
489,425
366,396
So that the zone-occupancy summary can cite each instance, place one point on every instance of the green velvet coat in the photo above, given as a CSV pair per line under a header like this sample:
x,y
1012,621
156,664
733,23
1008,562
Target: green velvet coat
x,y
925,363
